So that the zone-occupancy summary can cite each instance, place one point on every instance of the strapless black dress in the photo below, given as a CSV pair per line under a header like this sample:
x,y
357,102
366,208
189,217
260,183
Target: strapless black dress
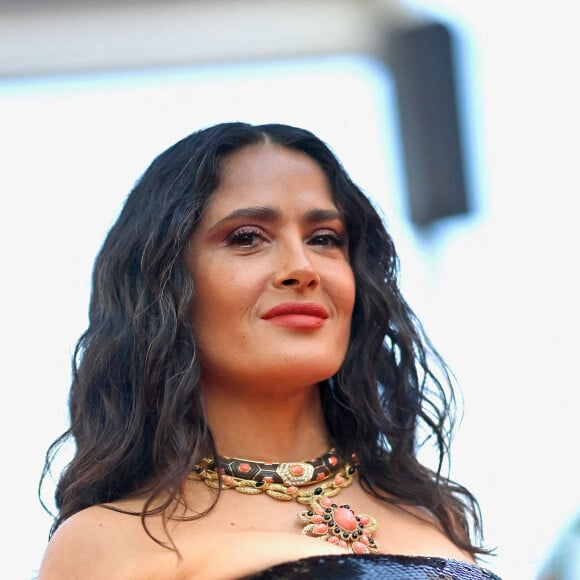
x,y
374,567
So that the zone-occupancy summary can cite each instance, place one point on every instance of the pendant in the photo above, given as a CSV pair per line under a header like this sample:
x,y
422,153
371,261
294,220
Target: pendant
x,y
339,525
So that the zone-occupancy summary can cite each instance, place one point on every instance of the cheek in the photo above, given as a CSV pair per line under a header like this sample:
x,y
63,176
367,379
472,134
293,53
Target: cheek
x,y
210,308
343,288
222,296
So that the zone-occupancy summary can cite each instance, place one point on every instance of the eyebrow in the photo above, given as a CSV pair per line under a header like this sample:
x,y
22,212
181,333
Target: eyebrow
x,y
271,214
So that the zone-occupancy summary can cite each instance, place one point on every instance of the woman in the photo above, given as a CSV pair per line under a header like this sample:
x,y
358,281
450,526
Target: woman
x,y
248,344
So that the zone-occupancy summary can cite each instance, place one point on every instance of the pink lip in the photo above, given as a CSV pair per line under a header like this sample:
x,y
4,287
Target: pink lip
x,y
297,315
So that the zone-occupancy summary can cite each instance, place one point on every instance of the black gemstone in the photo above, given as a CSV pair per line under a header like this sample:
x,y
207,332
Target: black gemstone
x,y
354,535
309,513
345,505
371,541
345,535
331,523
334,505
351,470
337,530
199,470
328,510
260,483
327,517
357,518
318,491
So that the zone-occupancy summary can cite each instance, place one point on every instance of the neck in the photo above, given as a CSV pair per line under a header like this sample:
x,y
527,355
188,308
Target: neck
x,y
265,427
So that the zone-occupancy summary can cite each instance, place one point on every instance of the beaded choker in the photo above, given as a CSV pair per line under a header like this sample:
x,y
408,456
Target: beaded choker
x,y
323,518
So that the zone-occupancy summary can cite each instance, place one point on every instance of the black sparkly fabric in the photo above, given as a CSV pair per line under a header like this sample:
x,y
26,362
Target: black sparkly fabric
x,y
374,567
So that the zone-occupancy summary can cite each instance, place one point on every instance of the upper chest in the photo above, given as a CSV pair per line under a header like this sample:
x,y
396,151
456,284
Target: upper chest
x,y
242,534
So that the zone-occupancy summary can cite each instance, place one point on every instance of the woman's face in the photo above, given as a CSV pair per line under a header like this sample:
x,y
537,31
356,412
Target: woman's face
x,y
274,287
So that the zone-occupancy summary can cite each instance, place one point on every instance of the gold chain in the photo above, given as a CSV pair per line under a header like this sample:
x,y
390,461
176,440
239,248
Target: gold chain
x,y
340,480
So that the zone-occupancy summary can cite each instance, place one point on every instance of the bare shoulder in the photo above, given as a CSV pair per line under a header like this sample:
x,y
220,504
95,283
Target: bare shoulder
x,y
94,543
420,524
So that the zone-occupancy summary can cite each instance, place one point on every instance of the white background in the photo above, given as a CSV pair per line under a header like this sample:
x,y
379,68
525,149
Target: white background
x,y
497,290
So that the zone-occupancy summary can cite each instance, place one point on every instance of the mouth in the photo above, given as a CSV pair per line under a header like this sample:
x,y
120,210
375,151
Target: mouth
x,y
304,315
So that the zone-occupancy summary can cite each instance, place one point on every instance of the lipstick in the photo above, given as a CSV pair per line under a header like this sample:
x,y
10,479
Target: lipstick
x,y
305,315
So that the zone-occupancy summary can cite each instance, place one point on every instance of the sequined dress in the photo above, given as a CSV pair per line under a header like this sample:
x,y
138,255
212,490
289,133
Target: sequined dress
x,y
374,567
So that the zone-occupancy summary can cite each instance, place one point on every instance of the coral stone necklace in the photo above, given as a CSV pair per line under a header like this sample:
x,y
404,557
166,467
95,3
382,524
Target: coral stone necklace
x,y
324,518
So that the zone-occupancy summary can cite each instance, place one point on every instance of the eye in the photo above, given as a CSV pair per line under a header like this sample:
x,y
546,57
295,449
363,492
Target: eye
x,y
327,238
245,238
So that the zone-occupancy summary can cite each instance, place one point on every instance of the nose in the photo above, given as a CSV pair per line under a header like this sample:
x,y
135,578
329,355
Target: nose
x,y
295,268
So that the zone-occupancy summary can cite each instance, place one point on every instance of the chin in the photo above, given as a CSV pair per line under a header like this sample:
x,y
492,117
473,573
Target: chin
x,y
276,368
304,372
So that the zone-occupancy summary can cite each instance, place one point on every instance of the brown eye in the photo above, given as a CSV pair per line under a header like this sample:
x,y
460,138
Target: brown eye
x,y
326,238
245,238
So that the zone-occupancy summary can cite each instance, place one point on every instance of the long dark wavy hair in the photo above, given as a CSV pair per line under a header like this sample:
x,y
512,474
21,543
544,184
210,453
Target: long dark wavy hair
x,y
136,408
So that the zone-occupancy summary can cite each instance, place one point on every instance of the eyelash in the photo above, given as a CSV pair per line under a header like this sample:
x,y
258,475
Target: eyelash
x,y
237,237
336,239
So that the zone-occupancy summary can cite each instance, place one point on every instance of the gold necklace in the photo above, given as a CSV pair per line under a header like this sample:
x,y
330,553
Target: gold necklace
x,y
324,518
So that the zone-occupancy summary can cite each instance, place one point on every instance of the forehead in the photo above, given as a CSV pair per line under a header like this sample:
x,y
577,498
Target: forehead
x,y
269,174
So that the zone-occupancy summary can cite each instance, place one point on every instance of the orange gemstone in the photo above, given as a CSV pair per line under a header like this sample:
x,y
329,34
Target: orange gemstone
x,y
365,520
227,478
333,540
364,539
326,502
338,480
244,467
358,548
342,544
269,479
345,519
297,469
320,529
316,519
333,460
320,476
